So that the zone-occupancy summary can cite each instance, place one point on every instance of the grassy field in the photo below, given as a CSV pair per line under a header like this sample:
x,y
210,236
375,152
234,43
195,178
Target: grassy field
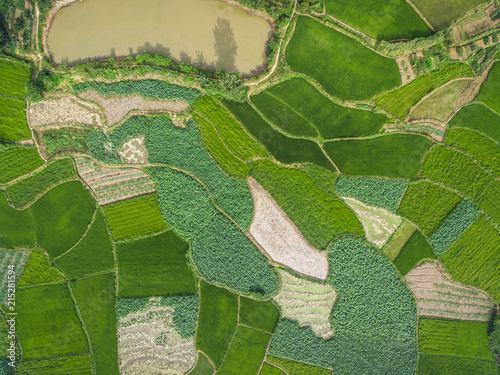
x,y
318,117
16,227
392,249
231,132
385,20
61,216
441,14
474,257
246,351
39,271
17,162
480,147
222,155
14,78
203,366
323,178
441,103
392,155
415,250
96,299
490,199
13,125
260,315
430,364
268,369
75,365
458,338
26,190
134,217
154,266
477,117
43,338
297,368
343,66
217,321
284,149
92,255
423,197
319,216
489,93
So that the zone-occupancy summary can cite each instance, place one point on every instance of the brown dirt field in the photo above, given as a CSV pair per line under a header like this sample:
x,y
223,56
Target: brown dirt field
x,y
405,69
438,296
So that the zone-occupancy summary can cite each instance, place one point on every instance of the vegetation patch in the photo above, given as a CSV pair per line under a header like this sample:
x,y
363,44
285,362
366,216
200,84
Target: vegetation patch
x,y
64,139
477,117
17,162
392,155
317,51
12,261
16,227
424,197
413,252
26,190
39,271
154,266
203,366
489,200
74,365
135,217
93,254
61,217
257,314
489,93
13,125
297,368
318,117
14,78
430,364
268,369
445,12
318,216
392,249
224,255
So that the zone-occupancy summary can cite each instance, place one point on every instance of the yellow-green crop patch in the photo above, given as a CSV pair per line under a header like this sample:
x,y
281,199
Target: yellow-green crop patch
x,y
16,227
17,162
39,271
13,78
13,125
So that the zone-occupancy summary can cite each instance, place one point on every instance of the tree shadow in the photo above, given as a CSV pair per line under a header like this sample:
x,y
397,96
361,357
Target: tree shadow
x,y
225,46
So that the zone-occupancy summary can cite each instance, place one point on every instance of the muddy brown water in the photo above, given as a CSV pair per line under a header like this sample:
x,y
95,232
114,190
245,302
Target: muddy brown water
x,y
205,33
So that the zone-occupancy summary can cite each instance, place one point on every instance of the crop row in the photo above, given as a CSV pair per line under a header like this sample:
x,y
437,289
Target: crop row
x,y
13,125
14,78
489,200
17,162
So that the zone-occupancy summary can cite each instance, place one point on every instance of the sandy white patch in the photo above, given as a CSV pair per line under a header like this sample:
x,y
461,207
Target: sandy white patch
x,y
134,151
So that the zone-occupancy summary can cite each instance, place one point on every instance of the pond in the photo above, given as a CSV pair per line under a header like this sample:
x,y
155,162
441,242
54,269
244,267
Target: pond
x,y
205,33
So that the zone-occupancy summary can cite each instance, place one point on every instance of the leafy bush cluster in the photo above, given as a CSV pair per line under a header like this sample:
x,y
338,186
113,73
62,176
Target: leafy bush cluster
x,y
413,252
228,86
65,139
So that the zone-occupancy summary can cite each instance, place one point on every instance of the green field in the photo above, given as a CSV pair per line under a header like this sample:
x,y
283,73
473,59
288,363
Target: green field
x,y
41,337
324,218
13,125
203,366
246,351
14,78
285,149
75,365
318,117
393,247
489,200
154,266
39,271
392,155
61,216
297,368
423,197
26,190
430,364
12,261
217,321
323,178
385,20
490,90
343,66
17,162
478,117
92,255
96,300
268,369
134,217
16,227
455,170
441,14
413,252
474,257
65,139
260,315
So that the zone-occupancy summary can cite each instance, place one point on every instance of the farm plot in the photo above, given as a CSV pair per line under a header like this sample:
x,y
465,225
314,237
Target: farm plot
x,y
439,297
224,255
430,129
285,149
231,132
42,338
318,216
309,303
149,341
281,239
441,103
320,52
378,192
268,369
475,257
28,189
17,162
323,178
13,125
74,365
134,151
297,368
63,139
392,155
154,266
317,117
454,170
378,223
65,110
489,200
113,184
10,258
203,366
14,78
16,227
430,364
489,93
135,217
385,20
39,271
116,108
93,254
393,247
257,314
61,217
423,197
413,252
217,321
442,13
477,117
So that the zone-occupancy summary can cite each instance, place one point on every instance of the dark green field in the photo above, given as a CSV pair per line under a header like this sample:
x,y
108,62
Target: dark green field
x,y
477,117
16,227
490,91
413,252
441,14
260,315
13,125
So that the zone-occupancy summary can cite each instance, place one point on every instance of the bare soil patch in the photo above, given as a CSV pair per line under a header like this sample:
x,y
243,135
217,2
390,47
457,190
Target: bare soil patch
x,y
134,151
